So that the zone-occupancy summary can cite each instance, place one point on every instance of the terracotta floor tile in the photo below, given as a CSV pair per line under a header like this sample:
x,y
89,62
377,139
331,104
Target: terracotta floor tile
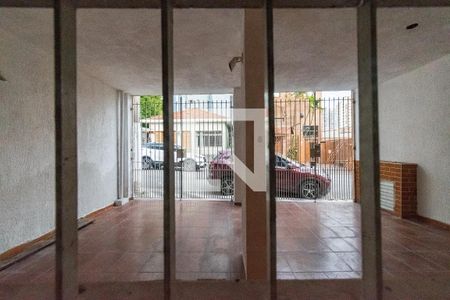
x,y
316,262
440,258
313,245
392,265
188,262
310,276
191,244
352,259
355,242
338,245
202,276
282,264
416,262
154,264
129,262
285,276
343,275
315,241
99,262
344,232
215,263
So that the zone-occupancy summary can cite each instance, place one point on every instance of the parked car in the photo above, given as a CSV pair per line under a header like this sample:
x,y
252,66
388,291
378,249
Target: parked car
x,y
292,178
153,158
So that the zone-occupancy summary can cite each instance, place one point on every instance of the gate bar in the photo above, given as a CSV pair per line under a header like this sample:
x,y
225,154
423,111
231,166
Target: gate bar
x,y
226,3
169,171
66,174
372,281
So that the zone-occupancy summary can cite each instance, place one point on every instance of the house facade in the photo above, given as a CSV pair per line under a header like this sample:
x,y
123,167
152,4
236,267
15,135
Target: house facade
x,y
197,131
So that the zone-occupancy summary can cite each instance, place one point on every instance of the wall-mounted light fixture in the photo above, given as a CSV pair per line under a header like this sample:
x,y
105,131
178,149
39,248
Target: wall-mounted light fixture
x,y
2,78
412,26
234,61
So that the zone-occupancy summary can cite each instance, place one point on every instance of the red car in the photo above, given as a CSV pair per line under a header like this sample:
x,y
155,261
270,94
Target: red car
x,y
292,179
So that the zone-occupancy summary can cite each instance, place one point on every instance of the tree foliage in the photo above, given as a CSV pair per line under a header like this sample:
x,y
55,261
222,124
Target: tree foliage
x,y
151,106
293,148
313,102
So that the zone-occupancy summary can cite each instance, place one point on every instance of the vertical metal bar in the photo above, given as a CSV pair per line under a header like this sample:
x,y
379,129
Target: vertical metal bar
x,y
119,144
181,143
66,173
369,155
338,151
271,149
353,118
169,171
315,144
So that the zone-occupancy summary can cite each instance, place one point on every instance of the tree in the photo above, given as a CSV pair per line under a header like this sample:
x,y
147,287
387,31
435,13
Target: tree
x,y
293,148
151,106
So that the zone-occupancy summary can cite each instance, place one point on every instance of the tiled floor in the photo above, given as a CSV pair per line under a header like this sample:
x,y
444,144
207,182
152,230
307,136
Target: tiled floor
x,y
126,244
318,241
315,241
323,240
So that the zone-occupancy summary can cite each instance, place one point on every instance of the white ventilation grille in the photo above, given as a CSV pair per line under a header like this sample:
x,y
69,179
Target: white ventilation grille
x,y
387,197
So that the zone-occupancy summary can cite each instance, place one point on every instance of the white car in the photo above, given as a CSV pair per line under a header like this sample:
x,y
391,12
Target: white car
x,y
153,158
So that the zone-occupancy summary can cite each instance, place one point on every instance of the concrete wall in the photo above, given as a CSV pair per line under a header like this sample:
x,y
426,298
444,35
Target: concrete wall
x,y
27,141
415,128
97,144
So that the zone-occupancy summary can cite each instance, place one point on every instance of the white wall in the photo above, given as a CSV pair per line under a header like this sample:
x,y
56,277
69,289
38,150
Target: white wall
x,y
26,142
97,144
27,187
414,117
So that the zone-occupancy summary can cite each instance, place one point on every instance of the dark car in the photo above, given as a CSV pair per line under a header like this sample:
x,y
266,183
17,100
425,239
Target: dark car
x,y
292,178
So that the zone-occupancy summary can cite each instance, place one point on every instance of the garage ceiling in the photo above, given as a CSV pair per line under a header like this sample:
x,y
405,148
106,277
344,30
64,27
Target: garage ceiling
x,y
315,49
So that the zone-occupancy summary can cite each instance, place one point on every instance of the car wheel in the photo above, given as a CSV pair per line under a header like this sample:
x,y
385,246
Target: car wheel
x,y
147,163
227,186
309,189
189,165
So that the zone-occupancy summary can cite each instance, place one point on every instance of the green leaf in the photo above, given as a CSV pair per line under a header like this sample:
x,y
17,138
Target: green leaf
x,y
151,106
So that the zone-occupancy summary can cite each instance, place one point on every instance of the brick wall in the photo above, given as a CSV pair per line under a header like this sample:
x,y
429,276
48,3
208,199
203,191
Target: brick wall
x,y
404,176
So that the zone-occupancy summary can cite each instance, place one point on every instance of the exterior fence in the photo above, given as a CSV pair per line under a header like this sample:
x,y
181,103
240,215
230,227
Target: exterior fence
x,y
313,145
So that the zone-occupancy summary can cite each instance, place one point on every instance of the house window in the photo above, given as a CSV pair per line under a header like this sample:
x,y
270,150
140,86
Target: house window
x,y
209,139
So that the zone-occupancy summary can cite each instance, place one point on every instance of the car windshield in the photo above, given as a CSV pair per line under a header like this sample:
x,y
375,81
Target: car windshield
x,y
286,161
160,146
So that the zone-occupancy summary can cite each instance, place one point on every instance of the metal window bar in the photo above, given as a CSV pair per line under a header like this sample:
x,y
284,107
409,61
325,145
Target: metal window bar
x,y
169,172
65,55
66,171
372,278
271,138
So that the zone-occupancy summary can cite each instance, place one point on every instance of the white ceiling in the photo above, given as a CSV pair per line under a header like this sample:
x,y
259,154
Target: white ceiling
x,y
315,49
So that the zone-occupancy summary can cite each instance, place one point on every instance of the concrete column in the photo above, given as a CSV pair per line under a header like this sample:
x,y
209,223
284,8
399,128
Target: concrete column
x,y
136,143
252,95
239,147
124,147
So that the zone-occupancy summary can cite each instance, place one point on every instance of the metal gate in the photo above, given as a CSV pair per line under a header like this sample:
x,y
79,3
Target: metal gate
x,y
203,137
314,146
